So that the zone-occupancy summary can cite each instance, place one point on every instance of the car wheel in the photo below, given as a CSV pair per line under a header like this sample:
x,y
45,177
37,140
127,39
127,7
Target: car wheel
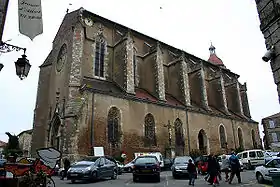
x,y
94,176
174,176
115,175
260,178
73,181
134,178
158,178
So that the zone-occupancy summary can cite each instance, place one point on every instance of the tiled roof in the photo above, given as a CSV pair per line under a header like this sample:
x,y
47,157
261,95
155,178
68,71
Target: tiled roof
x,y
215,60
143,94
273,116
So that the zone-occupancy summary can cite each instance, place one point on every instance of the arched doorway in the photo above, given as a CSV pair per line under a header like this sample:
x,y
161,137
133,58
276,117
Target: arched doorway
x,y
222,134
240,138
179,138
114,130
55,132
202,141
254,139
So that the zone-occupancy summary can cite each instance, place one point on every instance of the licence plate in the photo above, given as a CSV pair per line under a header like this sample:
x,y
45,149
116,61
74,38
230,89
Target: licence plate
x,y
74,175
184,171
146,170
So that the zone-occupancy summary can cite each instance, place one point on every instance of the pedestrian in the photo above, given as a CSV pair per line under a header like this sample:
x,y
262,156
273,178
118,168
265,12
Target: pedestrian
x,y
235,168
192,172
213,170
225,166
66,164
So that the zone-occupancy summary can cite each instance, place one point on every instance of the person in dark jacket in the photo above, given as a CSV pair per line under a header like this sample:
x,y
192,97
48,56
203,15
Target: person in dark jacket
x,y
213,169
192,172
235,168
66,164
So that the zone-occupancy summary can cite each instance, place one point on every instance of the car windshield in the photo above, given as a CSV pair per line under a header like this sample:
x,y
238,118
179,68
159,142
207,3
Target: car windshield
x,y
82,164
92,159
146,160
182,160
274,163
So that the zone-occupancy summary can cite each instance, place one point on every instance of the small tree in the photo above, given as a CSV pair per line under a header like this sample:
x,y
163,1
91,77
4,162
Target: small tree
x,y
238,150
12,148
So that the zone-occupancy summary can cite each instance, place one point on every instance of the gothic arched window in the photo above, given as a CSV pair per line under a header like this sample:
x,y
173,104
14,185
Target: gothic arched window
x,y
114,131
150,131
222,136
100,46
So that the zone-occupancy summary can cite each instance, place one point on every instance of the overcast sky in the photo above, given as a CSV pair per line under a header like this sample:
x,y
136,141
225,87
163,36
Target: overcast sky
x,y
232,26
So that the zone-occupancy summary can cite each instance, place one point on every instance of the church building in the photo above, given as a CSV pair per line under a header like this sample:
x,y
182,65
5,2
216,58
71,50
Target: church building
x,y
104,84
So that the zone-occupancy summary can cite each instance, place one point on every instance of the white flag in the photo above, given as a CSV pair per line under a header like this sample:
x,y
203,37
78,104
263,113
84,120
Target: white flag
x,y
30,18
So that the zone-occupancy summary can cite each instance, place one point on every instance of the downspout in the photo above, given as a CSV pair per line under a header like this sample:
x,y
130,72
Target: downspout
x,y
188,132
92,126
233,130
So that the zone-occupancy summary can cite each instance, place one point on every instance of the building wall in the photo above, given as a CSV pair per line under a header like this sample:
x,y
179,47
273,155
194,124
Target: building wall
x,y
269,15
272,132
25,143
161,70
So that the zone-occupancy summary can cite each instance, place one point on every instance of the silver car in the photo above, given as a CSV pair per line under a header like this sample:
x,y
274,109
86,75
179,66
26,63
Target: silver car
x,y
96,168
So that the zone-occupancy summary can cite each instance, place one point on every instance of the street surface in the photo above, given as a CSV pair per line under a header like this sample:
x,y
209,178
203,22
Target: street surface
x,y
125,180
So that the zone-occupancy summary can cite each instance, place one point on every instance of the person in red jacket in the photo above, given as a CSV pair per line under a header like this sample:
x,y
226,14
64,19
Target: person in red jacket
x,y
192,172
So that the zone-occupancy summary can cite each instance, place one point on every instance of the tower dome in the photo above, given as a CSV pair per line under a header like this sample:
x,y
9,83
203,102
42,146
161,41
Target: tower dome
x,y
214,59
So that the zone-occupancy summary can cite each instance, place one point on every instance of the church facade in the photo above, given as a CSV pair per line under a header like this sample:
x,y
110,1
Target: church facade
x,y
104,84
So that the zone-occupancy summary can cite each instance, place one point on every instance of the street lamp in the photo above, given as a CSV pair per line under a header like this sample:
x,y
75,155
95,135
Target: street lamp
x,y
22,64
22,67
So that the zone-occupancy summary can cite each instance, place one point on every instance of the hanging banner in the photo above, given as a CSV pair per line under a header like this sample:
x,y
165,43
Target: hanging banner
x,y
30,18
3,12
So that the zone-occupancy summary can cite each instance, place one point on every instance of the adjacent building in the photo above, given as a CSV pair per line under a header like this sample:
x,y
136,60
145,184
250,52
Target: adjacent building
x,y
269,15
2,146
104,84
271,126
24,139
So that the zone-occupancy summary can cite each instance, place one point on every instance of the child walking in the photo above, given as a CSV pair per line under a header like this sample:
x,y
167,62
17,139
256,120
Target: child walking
x,y
192,172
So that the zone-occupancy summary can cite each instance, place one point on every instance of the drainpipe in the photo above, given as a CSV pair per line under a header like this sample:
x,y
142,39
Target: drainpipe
x,y
92,126
188,131
233,130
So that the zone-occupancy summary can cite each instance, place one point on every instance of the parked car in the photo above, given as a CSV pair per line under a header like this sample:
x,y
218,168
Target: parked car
x,y
146,166
269,155
227,156
252,158
2,170
128,167
96,168
262,172
180,165
120,167
202,164
167,164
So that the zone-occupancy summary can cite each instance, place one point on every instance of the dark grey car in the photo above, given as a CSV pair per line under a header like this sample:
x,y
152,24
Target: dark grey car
x,y
96,168
179,167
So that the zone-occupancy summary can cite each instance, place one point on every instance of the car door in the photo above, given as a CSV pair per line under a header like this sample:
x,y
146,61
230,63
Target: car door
x,y
260,156
102,167
109,167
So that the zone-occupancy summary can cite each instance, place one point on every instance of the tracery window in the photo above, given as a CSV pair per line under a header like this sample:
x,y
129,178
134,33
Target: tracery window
x,y
114,126
179,138
222,136
150,133
99,58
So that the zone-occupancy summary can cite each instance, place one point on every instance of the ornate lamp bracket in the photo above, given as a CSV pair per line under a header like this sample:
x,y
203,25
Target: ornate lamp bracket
x,y
5,48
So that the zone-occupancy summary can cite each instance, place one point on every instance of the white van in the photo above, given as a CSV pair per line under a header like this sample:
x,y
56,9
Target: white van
x,y
157,154
251,158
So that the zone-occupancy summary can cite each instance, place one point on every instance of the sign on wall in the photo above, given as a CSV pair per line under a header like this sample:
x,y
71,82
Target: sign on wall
x,y
3,12
30,18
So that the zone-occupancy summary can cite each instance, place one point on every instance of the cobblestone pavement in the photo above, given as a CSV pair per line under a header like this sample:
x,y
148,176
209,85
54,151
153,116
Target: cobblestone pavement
x,y
125,180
